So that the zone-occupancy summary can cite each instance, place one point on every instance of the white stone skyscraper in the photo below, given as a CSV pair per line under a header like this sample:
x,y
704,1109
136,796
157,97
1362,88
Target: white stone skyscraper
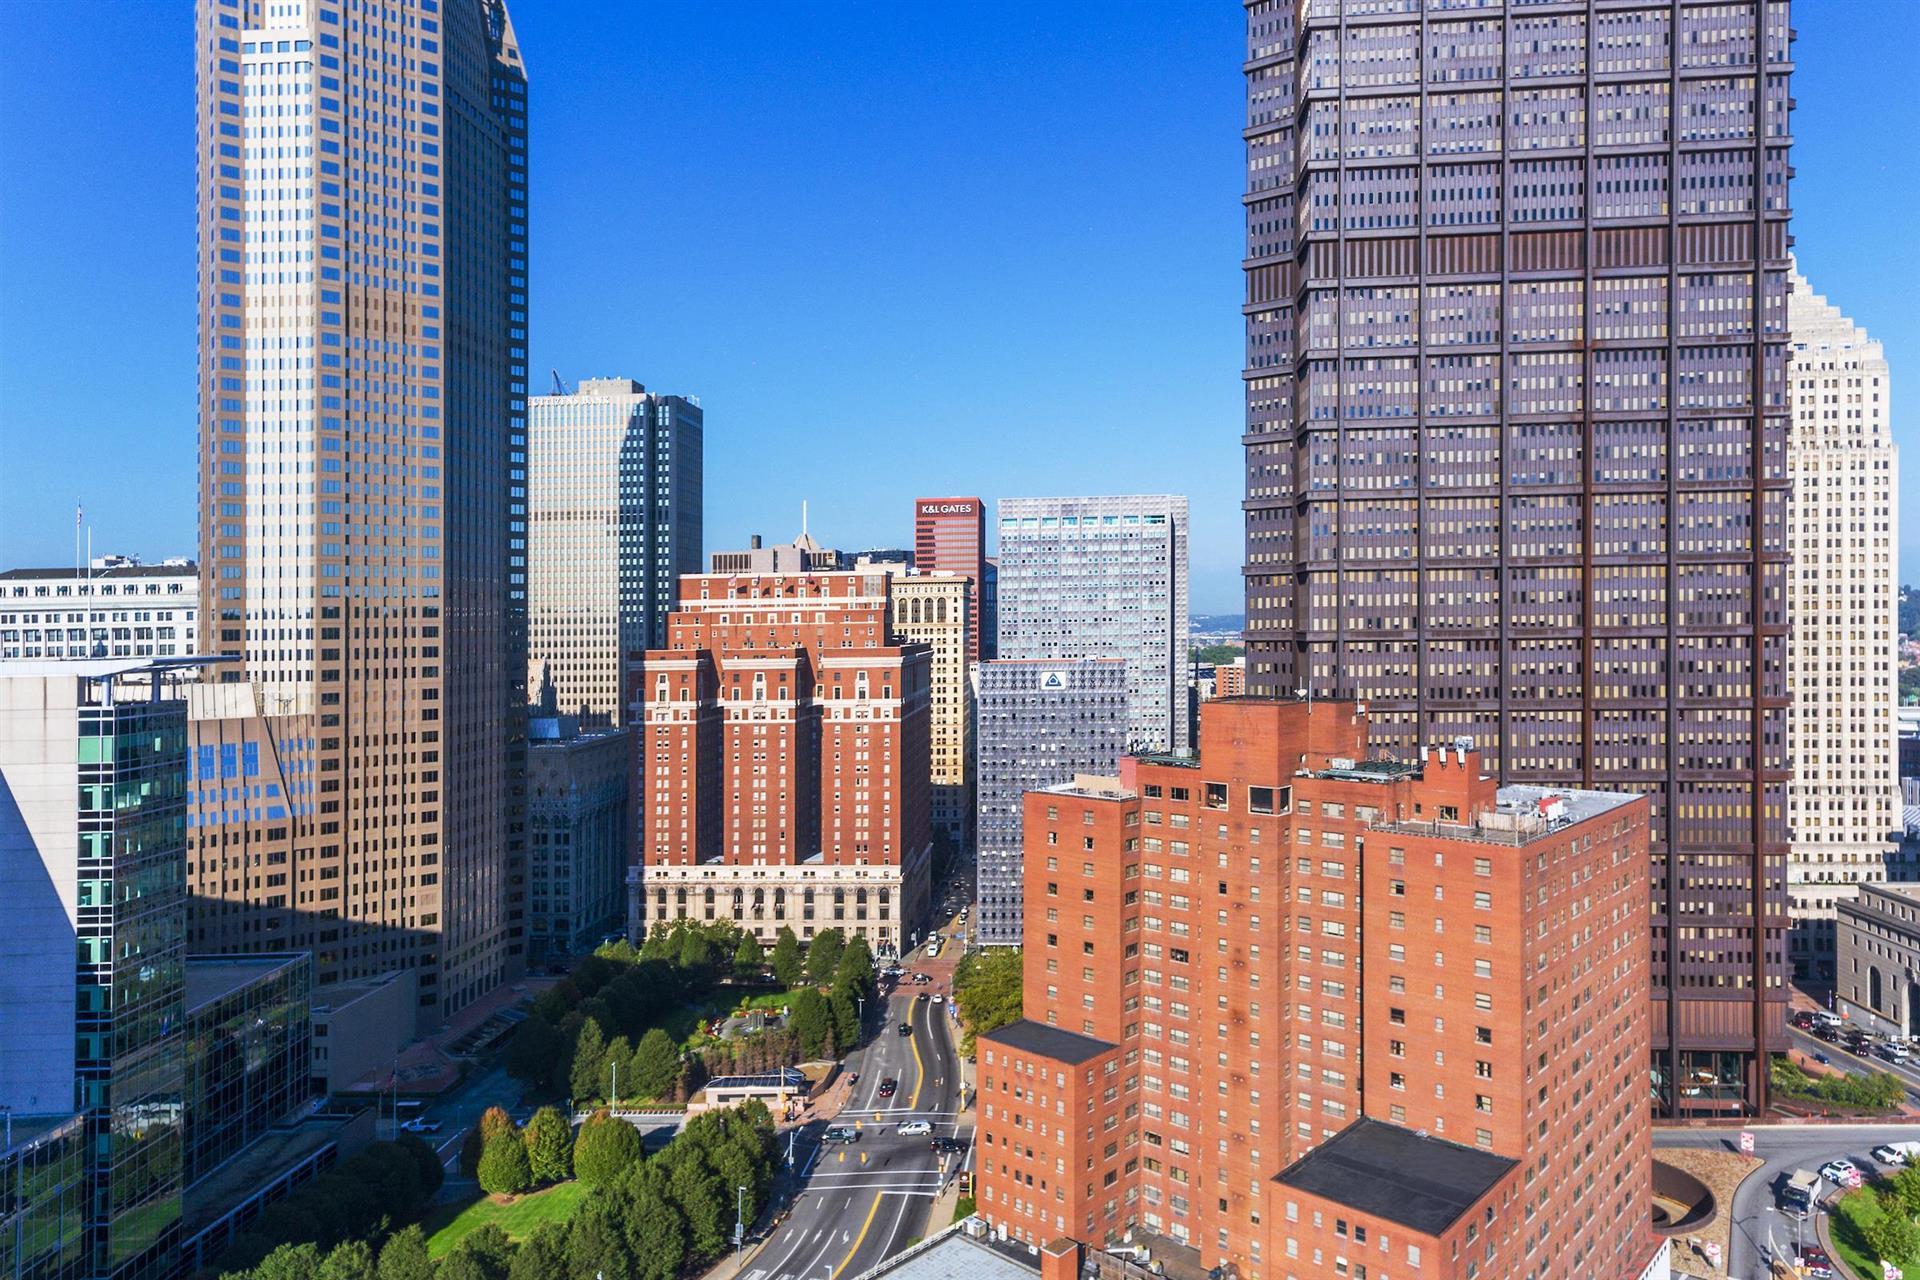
x,y
1103,578
359,768
1843,805
614,519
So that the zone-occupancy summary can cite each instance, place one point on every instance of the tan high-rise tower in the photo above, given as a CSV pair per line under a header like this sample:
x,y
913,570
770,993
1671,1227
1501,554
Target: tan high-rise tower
x,y
359,772
1844,802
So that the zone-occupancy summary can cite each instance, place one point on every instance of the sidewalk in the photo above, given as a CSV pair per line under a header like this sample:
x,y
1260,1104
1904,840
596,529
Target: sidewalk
x,y
425,1066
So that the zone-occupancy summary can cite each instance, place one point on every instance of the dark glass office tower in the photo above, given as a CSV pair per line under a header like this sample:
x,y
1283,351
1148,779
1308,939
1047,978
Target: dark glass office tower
x,y
1516,430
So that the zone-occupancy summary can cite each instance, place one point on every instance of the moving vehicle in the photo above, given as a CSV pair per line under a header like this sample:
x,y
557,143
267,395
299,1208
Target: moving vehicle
x,y
1822,1059
840,1133
1801,1192
913,1128
906,1028
889,1087
1815,1263
1841,1173
418,1125
1897,1153
938,998
945,1144
1894,1051
1827,1018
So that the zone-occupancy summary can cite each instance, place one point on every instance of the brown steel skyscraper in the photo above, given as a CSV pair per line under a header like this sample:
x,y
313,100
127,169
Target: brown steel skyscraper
x,y
1516,427
359,770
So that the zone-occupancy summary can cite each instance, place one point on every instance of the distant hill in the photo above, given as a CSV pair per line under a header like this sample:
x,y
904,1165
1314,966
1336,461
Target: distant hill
x,y
1213,622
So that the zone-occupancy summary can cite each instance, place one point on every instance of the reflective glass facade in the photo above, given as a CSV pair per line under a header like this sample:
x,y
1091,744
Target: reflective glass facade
x,y
43,1201
249,1051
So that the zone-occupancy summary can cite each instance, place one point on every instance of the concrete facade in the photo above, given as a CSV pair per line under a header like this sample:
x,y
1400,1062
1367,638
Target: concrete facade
x,y
577,824
1039,723
614,517
1878,953
937,609
1843,805
1103,578
119,608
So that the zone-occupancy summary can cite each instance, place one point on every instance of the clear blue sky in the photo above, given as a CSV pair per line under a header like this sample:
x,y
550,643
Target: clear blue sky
x,y
896,249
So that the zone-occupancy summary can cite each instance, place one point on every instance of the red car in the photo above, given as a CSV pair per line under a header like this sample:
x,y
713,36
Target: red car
x,y
1816,1263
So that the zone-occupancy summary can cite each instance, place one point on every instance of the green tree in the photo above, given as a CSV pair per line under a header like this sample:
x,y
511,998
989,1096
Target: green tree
x,y
534,1052
1893,1236
844,1008
748,958
655,1229
787,961
488,1246
542,1256
605,1147
290,1262
349,1260
616,1070
986,986
696,951
810,1020
656,1065
589,1061
823,954
1906,1186
597,1247
427,1173
856,966
698,1195
504,1170
549,1146
404,1256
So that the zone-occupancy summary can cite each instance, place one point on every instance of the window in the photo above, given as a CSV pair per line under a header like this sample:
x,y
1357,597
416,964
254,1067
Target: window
x,y
1216,795
1260,799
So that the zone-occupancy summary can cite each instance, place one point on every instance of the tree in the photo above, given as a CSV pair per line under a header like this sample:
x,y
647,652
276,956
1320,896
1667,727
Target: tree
x,y
748,958
656,1064
597,1247
488,1245
787,961
823,954
699,1197
549,1141
404,1256
1893,1236
1906,1185
427,1173
844,1007
809,1018
542,1256
290,1262
589,1061
696,951
616,1070
504,1170
350,1260
605,1147
856,966
986,986
656,1230
535,1052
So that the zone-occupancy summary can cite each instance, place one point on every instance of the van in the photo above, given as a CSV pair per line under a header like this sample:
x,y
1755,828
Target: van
x,y
1826,1018
1894,1051
1801,1191
1897,1153
840,1133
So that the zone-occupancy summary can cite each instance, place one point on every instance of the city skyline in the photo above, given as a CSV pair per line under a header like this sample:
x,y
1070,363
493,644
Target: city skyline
x,y
1049,328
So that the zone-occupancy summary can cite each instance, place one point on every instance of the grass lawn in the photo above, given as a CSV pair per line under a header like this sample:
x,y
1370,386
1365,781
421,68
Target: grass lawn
x,y
1852,1214
766,1000
449,1223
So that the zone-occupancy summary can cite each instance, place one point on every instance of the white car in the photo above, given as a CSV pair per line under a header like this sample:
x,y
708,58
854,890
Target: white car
x,y
1841,1173
938,998
914,1128
421,1126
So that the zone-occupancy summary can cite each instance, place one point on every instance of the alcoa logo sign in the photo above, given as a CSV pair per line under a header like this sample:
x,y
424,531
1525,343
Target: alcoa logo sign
x,y
1053,682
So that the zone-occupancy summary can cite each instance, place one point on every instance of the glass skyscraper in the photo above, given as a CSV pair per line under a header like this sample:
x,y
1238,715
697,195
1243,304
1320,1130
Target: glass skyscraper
x,y
1516,327
359,772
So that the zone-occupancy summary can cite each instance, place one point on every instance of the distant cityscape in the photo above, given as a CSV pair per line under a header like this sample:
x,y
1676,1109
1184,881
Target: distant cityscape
x,y
468,865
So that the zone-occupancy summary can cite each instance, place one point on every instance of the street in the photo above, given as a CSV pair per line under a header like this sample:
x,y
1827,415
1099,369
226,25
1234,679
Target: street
x,y
1757,1221
1855,1064
861,1202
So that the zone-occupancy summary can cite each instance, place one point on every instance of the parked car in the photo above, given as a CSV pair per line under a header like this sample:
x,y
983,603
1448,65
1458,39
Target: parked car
x,y
1841,1173
422,1126
840,1133
1826,1033
922,979
1801,1018
914,1128
1822,1059
1897,1153
889,1087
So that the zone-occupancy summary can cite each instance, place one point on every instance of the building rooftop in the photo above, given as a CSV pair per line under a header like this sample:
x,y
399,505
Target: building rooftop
x,y
1389,1172
213,976
108,574
959,1254
1093,787
1910,892
1047,1042
785,1078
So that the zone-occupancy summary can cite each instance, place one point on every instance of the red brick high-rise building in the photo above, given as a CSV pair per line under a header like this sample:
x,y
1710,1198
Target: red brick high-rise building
x,y
1308,1012
781,759
950,536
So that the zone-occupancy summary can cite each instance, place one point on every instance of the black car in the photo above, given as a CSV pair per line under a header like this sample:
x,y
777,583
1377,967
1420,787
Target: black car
x,y
906,1028
888,1086
945,1144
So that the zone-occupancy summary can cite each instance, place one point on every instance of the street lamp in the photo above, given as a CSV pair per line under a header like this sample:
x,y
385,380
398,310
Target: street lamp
x,y
739,1218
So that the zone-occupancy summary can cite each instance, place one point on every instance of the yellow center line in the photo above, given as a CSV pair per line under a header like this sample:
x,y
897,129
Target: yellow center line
x,y
919,1070
859,1239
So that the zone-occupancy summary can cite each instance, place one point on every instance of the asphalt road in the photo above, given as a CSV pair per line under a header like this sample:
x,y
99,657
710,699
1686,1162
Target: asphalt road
x,y
1758,1224
861,1202
1857,1063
